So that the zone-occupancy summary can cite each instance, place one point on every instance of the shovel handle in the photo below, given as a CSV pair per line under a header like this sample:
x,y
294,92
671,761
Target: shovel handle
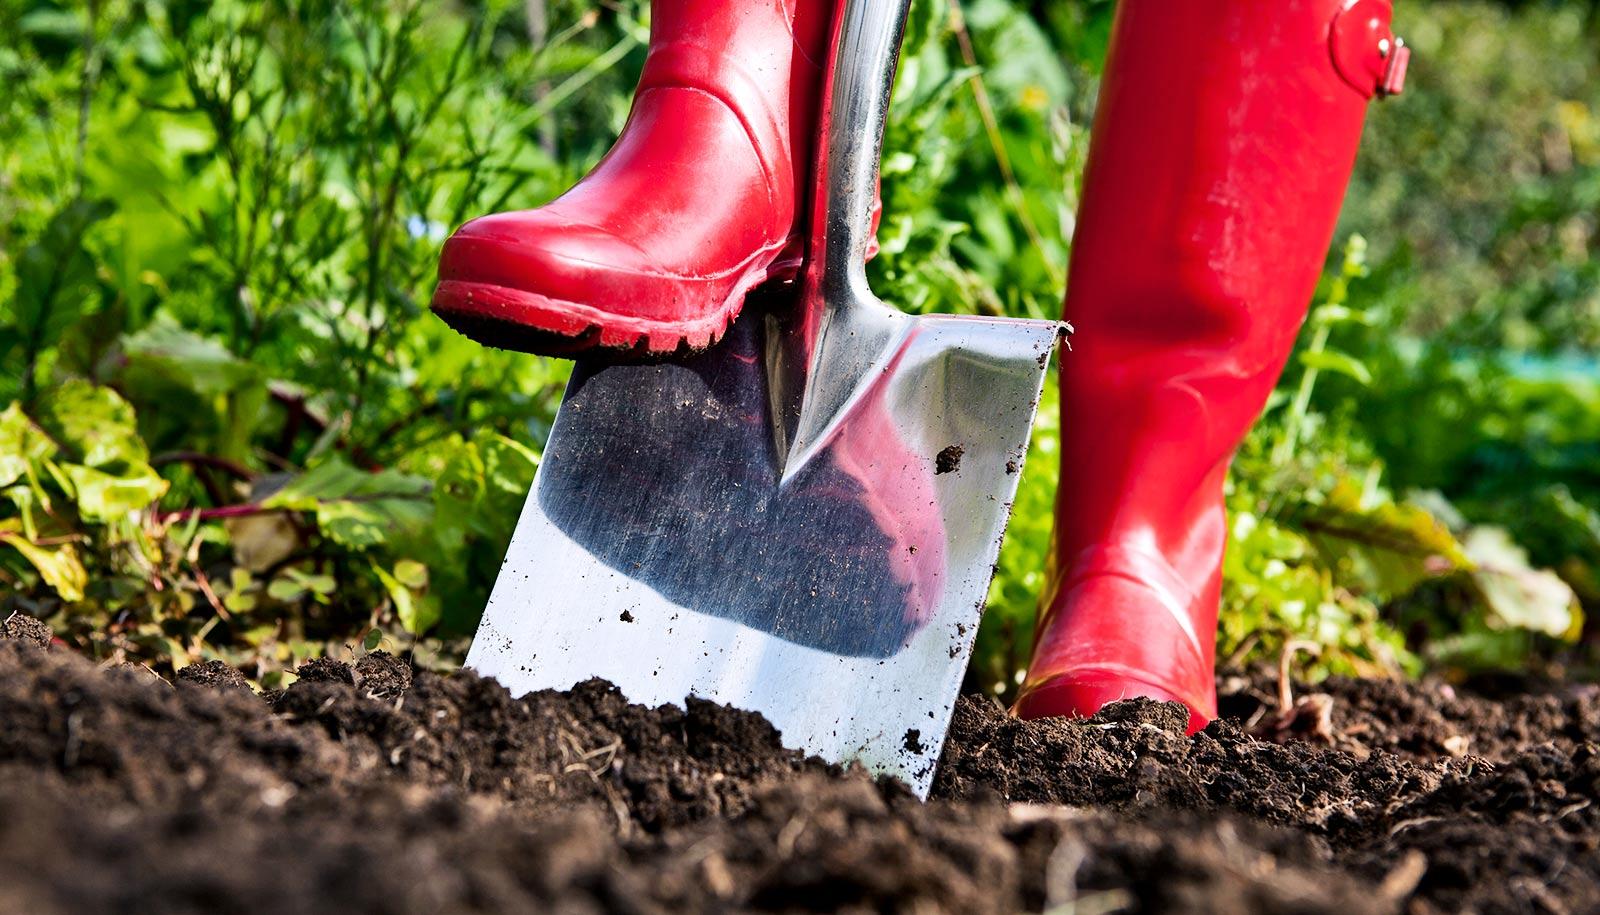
x,y
855,109
840,337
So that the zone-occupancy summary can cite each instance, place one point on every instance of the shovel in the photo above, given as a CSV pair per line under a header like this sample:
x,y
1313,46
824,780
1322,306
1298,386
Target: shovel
x,y
802,520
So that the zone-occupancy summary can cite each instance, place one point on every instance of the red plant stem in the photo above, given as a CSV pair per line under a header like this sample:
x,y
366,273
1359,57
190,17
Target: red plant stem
x,y
203,460
226,511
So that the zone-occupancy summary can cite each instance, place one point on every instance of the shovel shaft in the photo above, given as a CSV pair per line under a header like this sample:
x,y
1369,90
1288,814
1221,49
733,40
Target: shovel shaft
x,y
854,110
839,336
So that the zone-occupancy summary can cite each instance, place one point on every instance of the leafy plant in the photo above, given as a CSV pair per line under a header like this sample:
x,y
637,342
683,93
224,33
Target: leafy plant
x,y
232,430
235,429
1319,547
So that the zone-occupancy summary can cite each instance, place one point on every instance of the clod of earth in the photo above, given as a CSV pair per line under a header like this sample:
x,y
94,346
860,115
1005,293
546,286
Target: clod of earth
x,y
948,460
327,670
26,630
213,673
367,790
380,675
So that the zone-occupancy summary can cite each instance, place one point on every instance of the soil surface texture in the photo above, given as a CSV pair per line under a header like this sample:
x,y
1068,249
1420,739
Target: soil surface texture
x,y
373,788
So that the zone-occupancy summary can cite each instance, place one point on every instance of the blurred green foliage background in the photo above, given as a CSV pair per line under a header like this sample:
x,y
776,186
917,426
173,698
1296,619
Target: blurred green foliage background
x,y
234,431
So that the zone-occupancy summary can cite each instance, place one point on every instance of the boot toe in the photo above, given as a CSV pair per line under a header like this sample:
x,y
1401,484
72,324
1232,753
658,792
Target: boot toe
x,y
539,252
1116,633
532,281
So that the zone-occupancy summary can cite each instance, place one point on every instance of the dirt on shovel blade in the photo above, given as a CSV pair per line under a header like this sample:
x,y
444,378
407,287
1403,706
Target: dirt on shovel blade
x,y
370,788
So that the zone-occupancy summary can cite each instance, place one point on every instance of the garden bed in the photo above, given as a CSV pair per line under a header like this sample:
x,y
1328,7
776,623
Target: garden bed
x,y
373,789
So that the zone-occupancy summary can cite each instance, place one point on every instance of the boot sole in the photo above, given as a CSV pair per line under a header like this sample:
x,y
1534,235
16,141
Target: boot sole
x,y
517,319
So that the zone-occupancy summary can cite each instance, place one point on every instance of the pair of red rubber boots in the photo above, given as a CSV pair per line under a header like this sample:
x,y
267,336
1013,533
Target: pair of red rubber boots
x,y
1224,138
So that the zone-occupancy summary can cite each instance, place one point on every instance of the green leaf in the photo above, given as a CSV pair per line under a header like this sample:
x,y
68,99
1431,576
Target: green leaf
x,y
239,593
416,611
192,389
22,444
239,601
373,640
103,496
1380,546
293,584
1339,314
1338,363
198,363
94,426
26,497
59,566
55,275
285,589
412,574
482,488
355,508
103,463
1517,594
52,23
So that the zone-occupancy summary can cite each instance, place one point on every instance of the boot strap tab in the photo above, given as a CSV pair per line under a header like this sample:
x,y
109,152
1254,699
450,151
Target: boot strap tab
x,y
1366,53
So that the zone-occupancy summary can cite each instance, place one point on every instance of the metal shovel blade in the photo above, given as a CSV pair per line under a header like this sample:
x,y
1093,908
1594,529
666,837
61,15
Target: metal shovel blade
x,y
801,521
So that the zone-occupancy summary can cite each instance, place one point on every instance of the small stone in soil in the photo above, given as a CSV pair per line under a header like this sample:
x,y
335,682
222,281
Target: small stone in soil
x,y
214,674
948,460
25,629
325,670
381,675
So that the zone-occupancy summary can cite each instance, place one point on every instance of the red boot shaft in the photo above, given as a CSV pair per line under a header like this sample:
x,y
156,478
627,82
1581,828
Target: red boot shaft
x,y
694,205
1222,146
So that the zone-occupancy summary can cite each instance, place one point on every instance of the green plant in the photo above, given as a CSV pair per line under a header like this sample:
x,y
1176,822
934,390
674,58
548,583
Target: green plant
x,y
1319,548
225,274
231,428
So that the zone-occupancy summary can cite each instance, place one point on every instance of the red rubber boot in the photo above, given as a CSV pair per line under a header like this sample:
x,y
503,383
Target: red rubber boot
x,y
1224,139
695,205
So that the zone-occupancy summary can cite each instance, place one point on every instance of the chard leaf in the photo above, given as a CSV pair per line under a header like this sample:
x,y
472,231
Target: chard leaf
x,y
94,426
355,508
59,566
104,496
21,445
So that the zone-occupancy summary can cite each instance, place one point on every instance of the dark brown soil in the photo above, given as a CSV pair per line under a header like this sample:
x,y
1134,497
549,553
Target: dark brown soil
x,y
380,675
214,673
373,789
26,630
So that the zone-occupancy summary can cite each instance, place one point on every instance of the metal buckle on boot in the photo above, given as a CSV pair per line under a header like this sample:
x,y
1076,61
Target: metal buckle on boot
x,y
1365,51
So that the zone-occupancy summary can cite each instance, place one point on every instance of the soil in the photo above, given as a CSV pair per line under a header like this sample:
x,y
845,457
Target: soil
x,y
25,630
214,673
373,788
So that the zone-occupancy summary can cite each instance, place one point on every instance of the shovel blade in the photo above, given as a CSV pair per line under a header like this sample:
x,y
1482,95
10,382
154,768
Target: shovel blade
x,y
664,547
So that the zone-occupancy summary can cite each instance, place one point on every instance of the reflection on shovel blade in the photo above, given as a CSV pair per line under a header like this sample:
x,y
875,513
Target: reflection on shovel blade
x,y
668,475
662,548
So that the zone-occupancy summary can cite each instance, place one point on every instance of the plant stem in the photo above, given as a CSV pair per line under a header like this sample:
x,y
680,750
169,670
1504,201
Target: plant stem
x,y
86,81
582,78
203,460
991,128
1302,401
